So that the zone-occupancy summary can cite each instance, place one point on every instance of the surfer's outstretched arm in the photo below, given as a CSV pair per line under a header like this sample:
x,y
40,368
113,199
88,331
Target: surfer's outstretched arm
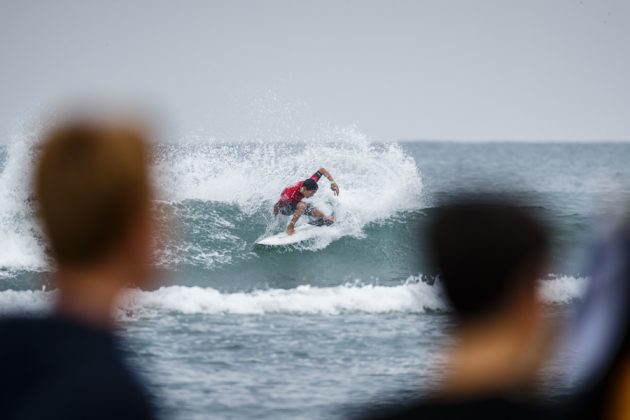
x,y
333,184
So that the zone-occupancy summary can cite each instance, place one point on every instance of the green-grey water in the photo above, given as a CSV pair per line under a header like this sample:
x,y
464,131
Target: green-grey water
x,y
234,330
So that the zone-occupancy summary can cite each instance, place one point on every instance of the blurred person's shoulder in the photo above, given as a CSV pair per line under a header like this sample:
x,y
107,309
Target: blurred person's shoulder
x,y
61,368
487,407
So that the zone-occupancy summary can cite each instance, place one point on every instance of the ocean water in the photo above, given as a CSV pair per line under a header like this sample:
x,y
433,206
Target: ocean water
x,y
238,331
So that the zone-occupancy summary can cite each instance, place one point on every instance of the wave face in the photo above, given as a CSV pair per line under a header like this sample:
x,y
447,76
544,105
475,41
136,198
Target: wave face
x,y
377,181
220,196
215,199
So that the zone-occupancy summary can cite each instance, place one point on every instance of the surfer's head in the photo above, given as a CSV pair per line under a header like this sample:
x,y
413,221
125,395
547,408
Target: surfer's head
x,y
490,254
309,187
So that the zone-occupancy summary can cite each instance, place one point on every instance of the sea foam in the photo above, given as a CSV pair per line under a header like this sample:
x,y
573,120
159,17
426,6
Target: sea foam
x,y
412,296
20,243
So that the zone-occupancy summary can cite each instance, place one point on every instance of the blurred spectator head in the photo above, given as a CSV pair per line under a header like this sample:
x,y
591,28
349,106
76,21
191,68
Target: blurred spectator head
x,y
488,252
93,196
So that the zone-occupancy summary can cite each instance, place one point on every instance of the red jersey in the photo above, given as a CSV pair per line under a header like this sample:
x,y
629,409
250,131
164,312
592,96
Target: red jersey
x,y
292,194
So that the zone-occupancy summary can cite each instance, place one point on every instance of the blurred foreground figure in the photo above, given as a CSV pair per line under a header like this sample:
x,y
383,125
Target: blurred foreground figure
x,y
490,255
93,195
597,349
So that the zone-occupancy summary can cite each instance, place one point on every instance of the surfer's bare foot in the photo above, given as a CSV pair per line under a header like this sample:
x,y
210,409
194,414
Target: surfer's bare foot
x,y
290,229
329,220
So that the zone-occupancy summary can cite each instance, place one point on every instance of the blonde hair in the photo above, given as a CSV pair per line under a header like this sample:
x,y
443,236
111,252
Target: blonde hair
x,y
91,185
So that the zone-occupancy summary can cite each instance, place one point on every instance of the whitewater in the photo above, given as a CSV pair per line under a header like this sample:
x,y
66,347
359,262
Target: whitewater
x,y
414,296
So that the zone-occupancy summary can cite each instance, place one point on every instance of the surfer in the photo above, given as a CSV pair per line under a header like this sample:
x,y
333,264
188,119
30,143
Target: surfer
x,y
290,202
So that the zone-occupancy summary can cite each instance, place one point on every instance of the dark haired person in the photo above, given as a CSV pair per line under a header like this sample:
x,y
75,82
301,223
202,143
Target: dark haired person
x,y
490,256
290,202
93,196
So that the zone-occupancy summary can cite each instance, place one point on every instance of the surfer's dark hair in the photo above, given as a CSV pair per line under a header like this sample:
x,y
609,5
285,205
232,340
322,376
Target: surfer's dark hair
x,y
310,184
488,251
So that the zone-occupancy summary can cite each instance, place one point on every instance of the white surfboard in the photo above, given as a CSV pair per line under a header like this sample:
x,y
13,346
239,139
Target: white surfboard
x,y
302,233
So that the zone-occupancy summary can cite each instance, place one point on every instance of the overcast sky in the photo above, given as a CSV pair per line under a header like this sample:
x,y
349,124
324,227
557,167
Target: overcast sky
x,y
399,70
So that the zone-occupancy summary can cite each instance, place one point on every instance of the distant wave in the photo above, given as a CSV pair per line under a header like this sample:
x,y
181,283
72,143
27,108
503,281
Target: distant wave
x,y
411,297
